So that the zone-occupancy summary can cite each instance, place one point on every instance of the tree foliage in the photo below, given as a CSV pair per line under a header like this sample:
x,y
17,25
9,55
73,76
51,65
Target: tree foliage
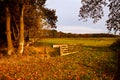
x,y
94,9
114,16
25,15
36,15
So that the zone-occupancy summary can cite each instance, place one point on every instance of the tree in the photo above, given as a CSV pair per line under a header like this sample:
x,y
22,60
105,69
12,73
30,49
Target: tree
x,y
94,9
5,9
21,37
22,15
114,16
8,32
39,20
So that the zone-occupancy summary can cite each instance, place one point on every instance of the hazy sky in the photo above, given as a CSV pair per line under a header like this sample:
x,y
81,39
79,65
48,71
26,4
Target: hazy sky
x,y
68,20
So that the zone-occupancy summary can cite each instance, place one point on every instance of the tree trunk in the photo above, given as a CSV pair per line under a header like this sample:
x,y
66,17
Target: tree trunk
x,y
8,32
21,37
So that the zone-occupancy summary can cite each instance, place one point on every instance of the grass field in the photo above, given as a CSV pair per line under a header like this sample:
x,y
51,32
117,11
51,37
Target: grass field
x,y
94,61
84,41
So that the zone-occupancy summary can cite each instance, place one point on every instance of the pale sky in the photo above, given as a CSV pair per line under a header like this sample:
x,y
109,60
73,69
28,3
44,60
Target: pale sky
x,y
68,20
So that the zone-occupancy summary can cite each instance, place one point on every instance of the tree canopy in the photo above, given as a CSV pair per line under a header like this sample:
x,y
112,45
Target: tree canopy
x,y
94,9
18,17
35,15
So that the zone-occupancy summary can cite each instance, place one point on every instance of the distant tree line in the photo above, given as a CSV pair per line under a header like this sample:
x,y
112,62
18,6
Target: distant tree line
x,y
58,34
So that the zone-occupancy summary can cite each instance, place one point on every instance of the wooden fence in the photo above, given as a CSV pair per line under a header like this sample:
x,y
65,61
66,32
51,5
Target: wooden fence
x,y
67,49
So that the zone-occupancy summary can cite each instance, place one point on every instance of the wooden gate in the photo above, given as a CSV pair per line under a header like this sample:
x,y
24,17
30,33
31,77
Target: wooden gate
x,y
67,49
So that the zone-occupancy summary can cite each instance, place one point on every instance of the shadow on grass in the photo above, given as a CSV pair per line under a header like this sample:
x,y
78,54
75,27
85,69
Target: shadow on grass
x,y
115,47
118,71
106,67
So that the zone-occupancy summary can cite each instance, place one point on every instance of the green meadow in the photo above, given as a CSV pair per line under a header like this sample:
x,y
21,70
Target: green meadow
x,y
98,42
94,61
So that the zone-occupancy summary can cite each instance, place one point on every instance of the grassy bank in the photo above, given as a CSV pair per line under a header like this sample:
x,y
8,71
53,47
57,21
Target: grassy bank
x,y
94,61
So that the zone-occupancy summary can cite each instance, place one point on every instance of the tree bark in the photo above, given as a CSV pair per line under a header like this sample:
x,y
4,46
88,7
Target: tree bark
x,y
8,32
21,37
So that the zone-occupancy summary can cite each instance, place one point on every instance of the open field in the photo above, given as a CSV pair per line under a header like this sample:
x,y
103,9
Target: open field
x,y
94,61
99,42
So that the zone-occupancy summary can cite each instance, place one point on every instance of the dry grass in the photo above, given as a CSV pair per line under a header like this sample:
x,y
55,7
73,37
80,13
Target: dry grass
x,y
90,63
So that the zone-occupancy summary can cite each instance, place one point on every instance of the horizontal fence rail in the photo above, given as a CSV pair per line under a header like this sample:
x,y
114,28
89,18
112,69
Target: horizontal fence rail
x,y
67,49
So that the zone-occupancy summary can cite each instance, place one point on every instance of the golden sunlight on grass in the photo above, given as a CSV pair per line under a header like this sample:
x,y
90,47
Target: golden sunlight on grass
x,y
92,62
